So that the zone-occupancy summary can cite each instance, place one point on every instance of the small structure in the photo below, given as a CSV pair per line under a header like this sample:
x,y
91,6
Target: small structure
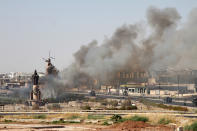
x,y
2,107
168,90
194,101
133,88
108,89
167,100
92,93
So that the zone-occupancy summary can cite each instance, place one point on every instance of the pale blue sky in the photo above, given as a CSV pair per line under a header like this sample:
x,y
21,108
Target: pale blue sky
x,y
62,26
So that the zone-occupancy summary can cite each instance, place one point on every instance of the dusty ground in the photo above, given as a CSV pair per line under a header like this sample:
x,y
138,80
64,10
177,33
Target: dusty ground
x,y
125,126
136,126
45,127
91,122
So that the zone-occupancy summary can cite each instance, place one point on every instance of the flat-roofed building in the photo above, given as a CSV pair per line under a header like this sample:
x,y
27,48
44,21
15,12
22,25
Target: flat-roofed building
x,y
133,88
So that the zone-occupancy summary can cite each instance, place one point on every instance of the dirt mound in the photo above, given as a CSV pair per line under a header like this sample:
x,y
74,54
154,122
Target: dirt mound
x,y
131,124
136,126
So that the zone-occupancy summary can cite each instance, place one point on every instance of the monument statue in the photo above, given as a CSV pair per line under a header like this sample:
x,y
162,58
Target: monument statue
x,y
35,78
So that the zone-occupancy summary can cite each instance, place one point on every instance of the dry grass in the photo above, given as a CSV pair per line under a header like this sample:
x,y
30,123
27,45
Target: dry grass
x,y
66,116
153,118
48,116
179,121
73,116
18,116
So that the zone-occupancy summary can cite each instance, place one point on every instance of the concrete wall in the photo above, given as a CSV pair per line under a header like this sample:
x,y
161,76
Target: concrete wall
x,y
163,92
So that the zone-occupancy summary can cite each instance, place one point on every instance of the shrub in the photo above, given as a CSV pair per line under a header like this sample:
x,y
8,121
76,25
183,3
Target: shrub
x,y
114,103
126,103
35,107
111,108
116,118
40,116
7,121
65,97
54,106
104,102
105,123
175,108
60,121
92,100
74,116
192,127
179,108
95,117
86,107
164,121
129,107
139,118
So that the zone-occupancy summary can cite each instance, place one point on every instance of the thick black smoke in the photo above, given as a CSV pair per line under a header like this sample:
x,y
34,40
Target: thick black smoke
x,y
160,43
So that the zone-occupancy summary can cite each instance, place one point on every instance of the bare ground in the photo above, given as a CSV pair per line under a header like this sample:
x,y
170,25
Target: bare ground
x,y
136,126
45,127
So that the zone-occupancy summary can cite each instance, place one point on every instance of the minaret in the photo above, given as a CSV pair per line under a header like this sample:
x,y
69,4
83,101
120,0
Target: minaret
x,y
35,94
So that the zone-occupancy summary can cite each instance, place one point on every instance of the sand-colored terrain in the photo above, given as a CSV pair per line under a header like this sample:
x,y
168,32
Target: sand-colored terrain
x,y
46,127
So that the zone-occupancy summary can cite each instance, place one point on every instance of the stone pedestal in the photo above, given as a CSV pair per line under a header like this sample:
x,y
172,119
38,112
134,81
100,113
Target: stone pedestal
x,y
35,101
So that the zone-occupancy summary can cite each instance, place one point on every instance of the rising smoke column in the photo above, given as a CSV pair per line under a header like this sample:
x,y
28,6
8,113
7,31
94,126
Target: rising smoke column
x,y
160,43
163,24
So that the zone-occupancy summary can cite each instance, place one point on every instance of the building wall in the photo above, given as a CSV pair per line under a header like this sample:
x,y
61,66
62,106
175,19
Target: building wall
x,y
163,92
125,77
133,91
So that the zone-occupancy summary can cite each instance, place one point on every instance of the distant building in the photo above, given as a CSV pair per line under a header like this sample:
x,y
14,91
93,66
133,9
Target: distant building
x,y
168,90
132,76
107,89
13,85
133,88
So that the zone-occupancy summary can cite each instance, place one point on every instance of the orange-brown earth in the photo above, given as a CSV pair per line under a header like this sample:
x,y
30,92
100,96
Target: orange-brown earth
x,y
136,126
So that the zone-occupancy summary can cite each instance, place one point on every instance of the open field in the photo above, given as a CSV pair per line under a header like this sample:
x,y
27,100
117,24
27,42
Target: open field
x,y
92,121
99,114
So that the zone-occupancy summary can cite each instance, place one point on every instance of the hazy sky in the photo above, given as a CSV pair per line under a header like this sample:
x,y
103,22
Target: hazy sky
x,y
30,28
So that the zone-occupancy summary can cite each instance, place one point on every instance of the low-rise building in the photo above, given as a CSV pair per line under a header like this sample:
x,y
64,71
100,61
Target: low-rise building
x,y
133,88
170,90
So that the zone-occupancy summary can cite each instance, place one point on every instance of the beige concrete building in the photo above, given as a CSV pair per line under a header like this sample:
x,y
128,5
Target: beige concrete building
x,y
133,88
171,90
